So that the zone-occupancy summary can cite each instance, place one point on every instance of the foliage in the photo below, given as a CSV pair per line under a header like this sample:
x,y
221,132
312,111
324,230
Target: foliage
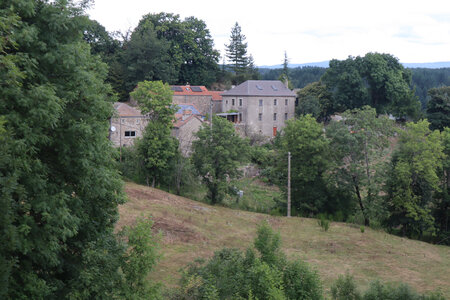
x,y
59,189
359,144
299,77
216,156
344,288
139,260
413,180
438,107
155,100
157,147
164,47
314,99
305,140
441,207
424,79
378,80
231,274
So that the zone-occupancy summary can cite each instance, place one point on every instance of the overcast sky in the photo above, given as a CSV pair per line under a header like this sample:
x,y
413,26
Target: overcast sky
x,y
309,31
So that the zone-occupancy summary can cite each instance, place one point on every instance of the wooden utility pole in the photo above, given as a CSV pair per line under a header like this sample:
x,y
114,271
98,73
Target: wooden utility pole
x,y
289,186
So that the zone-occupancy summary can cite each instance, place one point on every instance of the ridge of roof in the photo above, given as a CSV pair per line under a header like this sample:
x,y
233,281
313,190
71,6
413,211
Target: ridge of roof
x,y
260,88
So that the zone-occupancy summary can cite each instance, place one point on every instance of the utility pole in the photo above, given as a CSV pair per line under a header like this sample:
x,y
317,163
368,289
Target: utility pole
x,y
289,186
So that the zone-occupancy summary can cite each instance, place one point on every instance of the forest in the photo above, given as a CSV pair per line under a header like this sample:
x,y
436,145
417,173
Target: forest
x,y
385,165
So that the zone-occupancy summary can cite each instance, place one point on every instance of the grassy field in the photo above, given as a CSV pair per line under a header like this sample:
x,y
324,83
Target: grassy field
x,y
193,229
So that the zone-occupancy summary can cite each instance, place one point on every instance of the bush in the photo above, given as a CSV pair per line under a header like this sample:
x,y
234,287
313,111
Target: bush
x,y
300,282
344,288
362,228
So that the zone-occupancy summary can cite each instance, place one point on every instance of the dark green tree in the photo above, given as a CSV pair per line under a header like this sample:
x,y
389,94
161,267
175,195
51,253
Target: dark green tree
x,y
378,80
164,47
438,107
413,180
360,142
217,155
147,57
59,189
236,50
305,140
314,99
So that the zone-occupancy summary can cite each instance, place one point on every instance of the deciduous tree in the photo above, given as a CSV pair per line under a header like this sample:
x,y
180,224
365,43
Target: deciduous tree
x,y
438,109
217,155
414,179
305,139
59,189
360,143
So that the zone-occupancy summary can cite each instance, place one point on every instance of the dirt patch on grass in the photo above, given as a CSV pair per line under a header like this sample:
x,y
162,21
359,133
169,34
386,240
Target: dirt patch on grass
x,y
173,231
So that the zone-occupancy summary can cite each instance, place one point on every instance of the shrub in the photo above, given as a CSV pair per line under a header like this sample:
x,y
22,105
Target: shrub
x,y
344,288
300,282
362,228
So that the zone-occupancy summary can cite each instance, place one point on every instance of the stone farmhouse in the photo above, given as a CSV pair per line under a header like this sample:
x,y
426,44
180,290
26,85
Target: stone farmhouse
x,y
207,102
127,124
188,122
259,106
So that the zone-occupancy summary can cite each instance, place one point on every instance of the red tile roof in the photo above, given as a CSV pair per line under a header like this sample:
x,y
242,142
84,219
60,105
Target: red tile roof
x,y
187,90
216,95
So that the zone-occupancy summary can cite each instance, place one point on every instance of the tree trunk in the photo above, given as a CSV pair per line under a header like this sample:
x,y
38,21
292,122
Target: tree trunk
x,y
361,205
153,182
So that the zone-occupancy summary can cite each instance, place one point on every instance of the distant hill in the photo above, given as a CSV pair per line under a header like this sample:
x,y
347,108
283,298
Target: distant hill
x,y
325,64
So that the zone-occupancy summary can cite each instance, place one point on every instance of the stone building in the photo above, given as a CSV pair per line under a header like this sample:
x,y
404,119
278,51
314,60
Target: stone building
x,y
259,106
184,130
205,101
127,124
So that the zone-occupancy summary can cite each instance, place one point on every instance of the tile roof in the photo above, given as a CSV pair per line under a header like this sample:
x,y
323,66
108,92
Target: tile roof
x,y
125,110
216,95
194,90
260,88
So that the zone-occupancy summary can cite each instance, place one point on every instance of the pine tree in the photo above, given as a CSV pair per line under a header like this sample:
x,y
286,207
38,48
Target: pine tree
x,y
236,51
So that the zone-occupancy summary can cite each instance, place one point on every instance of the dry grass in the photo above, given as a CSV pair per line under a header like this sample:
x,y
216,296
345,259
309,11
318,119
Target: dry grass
x,y
192,229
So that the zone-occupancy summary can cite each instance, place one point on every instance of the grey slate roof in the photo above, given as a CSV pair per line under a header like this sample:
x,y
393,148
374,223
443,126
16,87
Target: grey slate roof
x,y
260,88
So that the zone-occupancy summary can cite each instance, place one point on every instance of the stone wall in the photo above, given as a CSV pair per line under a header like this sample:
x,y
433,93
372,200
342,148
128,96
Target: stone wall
x,y
259,117
124,128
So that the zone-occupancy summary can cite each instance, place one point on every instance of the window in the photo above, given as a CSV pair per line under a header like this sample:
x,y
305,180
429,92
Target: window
x,y
274,101
240,117
122,121
260,117
137,121
285,116
240,102
260,102
226,102
232,101
275,116
286,101
130,133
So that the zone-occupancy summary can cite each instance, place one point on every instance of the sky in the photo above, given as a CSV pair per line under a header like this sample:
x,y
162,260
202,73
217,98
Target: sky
x,y
308,31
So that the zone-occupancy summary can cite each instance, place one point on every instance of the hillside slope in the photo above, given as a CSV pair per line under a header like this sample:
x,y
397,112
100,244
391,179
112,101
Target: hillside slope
x,y
192,229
